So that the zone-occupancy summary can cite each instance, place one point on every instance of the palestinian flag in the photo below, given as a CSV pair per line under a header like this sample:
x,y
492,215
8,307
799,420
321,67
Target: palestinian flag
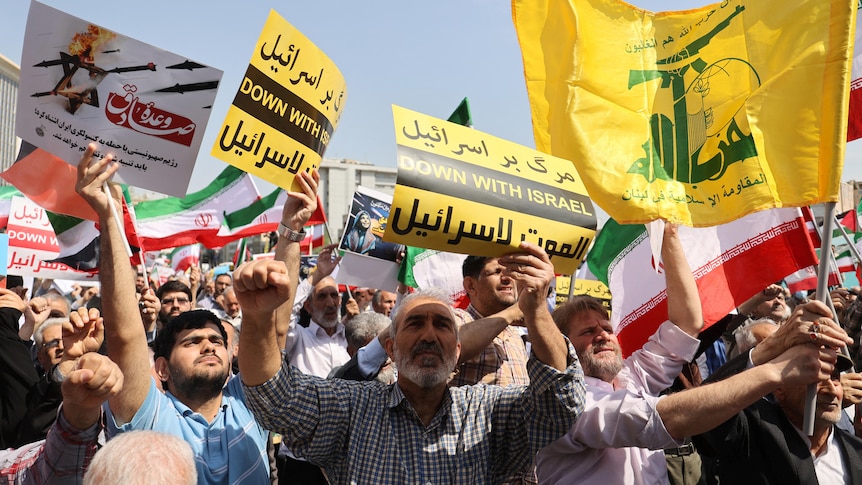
x,y
79,240
242,253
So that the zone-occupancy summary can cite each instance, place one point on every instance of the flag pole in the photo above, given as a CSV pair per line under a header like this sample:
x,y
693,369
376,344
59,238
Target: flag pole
x,y
122,227
117,217
821,295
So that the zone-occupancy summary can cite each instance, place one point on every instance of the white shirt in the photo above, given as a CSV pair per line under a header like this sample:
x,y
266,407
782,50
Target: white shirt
x,y
622,415
313,351
829,466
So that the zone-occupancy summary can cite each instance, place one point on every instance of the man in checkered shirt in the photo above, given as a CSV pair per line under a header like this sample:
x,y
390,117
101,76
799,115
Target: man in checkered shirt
x,y
418,430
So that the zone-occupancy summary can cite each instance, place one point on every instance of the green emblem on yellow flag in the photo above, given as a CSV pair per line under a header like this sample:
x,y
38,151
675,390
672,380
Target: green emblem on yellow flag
x,y
698,117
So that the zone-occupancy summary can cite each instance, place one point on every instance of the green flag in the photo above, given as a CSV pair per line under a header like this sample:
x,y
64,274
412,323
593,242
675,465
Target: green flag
x,y
461,115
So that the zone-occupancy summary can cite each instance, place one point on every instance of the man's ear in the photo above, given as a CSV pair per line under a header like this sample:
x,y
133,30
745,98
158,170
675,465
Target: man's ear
x,y
469,284
161,368
389,345
307,303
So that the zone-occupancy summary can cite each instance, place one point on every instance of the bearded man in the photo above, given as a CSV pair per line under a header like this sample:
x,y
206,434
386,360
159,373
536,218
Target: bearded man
x,y
609,443
201,403
322,345
417,430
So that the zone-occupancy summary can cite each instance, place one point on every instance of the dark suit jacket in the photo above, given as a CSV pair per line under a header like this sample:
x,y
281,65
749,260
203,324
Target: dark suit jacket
x,y
350,371
760,446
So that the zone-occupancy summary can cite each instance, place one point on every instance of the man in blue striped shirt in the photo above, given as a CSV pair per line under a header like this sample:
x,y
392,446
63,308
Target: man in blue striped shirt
x,y
418,430
201,404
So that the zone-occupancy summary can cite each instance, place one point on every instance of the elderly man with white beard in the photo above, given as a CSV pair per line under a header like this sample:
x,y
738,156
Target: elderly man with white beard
x,y
322,345
418,430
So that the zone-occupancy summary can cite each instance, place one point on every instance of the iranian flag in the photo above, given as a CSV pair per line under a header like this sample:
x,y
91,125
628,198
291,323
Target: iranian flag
x,y
160,275
806,278
198,217
185,256
6,194
259,217
730,262
429,268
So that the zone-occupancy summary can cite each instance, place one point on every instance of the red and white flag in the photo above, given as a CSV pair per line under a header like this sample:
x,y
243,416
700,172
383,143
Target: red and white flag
x,y
730,262
185,256
171,222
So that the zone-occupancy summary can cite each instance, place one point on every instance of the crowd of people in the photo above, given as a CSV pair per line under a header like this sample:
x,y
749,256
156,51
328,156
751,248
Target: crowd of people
x,y
260,376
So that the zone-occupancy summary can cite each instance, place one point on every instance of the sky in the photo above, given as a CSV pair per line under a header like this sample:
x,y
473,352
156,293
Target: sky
x,y
424,56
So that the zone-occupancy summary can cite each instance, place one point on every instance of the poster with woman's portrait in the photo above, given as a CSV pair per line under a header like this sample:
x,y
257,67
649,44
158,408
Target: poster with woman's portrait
x,y
366,224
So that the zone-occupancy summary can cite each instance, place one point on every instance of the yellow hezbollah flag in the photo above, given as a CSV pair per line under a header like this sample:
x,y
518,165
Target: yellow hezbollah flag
x,y
700,116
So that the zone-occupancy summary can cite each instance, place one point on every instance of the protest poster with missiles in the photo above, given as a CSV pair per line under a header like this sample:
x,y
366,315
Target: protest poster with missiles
x,y
82,83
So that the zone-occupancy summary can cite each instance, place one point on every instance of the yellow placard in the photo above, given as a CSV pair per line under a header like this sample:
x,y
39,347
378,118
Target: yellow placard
x,y
593,288
464,191
287,107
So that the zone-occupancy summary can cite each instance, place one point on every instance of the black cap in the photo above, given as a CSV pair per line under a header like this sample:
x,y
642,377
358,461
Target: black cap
x,y
14,281
844,363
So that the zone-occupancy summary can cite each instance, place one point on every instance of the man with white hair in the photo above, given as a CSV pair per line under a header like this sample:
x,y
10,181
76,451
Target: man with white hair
x,y
419,429
142,458
321,346
360,330
765,442
751,333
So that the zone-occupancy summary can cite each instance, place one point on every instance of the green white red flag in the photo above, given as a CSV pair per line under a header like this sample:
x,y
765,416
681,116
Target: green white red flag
x,y
171,222
730,262
185,256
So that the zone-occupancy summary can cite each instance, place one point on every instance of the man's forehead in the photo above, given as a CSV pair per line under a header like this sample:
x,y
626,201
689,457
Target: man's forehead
x,y
589,318
326,286
53,329
424,306
491,265
208,329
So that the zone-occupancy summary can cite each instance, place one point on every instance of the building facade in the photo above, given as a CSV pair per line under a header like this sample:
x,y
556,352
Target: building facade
x,y
9,143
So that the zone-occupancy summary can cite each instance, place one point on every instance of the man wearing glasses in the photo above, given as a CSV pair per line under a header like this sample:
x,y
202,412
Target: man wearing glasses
x,y
49,342
174,297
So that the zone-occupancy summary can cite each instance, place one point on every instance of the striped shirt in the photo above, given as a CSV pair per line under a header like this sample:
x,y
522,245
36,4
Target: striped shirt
x,y
368,433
